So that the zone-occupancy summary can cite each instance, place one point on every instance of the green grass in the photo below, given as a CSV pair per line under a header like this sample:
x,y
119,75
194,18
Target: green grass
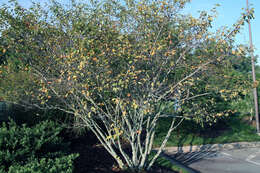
x,y
163,162
230,130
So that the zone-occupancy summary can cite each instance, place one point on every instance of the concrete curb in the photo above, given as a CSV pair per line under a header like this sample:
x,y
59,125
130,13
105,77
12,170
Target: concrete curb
x,y
211,147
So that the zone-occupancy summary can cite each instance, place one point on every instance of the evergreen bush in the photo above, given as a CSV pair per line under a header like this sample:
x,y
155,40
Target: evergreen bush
x,y
34,149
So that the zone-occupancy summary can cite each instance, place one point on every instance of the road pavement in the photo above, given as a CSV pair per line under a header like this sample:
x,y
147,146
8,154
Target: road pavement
x,y
232,158
231,161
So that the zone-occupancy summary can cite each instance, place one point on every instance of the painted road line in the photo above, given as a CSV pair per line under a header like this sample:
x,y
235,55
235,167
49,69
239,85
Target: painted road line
x,y
250,157
226,154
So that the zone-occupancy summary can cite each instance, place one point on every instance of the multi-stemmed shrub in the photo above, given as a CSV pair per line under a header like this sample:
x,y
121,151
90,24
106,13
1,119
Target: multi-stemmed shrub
x,y
117,67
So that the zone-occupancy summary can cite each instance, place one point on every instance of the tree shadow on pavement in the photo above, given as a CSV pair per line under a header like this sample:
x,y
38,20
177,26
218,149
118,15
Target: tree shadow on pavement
x,y
189,154
186,155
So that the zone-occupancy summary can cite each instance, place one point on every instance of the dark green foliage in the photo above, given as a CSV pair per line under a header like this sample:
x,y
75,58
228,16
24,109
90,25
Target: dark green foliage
x,y
58,165
33,149
4,111
33,116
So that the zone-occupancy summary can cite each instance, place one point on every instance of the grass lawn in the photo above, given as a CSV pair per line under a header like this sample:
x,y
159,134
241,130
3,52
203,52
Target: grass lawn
x,y
163,162
234,129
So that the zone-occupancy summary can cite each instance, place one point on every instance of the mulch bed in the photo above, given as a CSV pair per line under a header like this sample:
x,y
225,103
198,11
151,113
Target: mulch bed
x,y
95,159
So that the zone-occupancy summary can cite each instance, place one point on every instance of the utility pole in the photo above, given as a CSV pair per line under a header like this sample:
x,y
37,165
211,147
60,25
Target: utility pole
x,y
253,73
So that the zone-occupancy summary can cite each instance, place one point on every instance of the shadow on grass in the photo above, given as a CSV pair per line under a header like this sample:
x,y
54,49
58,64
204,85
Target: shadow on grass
x,y
176,165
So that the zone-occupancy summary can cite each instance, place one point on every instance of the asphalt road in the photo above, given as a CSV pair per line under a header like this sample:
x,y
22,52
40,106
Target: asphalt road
x,y
226,161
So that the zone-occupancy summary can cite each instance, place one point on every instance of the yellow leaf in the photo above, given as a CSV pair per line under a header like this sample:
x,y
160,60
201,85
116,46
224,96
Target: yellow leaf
x,y
198,36
221,91
81,65
89,114
108,137
93,109
153,52
135,106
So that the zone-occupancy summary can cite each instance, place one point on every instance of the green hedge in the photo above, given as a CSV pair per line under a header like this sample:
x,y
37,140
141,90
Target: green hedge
x,y
34,149
58,165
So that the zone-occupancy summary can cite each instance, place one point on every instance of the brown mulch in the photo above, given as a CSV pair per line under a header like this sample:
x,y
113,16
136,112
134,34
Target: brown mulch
x,y
95,159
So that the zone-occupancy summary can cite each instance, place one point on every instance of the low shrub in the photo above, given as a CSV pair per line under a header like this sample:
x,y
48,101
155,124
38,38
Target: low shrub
x,y
34,149
62,164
